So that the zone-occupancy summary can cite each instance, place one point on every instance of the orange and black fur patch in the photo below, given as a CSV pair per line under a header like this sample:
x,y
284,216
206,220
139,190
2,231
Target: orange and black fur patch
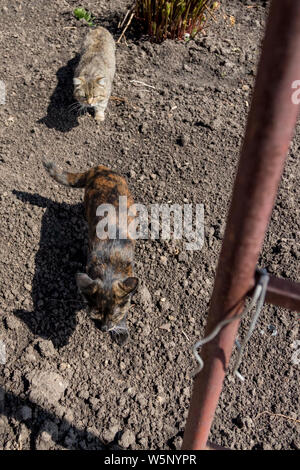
x,y
109,281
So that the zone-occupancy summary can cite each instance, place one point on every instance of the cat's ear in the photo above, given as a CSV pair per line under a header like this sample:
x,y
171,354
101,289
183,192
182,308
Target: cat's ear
x,y
101,81
86,285
122,288
77,81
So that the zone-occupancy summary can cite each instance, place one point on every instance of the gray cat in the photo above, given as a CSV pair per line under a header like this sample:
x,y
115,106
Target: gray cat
x,y
95,72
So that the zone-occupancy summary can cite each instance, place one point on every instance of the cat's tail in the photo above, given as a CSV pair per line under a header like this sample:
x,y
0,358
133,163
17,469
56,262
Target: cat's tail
x,y
74,180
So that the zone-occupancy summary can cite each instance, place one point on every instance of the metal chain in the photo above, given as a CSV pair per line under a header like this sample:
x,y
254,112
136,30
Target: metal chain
x,y
258,301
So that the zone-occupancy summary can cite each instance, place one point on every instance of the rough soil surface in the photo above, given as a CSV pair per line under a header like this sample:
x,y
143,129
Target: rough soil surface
x,y
64,383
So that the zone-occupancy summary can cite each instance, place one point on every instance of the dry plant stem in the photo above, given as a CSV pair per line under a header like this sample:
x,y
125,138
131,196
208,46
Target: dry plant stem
x,y
278,415
213,16
138,82
117,98
125,29
121,24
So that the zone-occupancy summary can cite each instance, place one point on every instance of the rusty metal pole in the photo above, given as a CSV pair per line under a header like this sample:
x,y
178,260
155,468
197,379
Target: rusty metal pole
x,y
270,126
282,293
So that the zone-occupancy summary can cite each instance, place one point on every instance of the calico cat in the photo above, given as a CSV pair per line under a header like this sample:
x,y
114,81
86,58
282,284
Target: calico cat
x,y
94,74
109,281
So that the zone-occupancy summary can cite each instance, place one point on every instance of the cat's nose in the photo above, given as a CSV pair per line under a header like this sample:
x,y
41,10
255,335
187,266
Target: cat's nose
x,y
90,100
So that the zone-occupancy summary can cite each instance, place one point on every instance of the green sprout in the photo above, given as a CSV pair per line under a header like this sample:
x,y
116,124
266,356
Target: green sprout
x,y
81,13
173,19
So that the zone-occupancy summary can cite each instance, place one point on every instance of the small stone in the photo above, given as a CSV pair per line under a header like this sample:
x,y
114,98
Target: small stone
x,y
95,403
177,442
141,400
143,441
266,446
164,260
183,257
46,348
45,386
69,416
145,296
161,399
30,354
272,329
127,439
109,434
11,322
47,436
187,68
164,305
84,394
165,326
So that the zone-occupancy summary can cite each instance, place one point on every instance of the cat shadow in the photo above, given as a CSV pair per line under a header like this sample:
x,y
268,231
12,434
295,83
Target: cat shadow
x,y
61,253
61,114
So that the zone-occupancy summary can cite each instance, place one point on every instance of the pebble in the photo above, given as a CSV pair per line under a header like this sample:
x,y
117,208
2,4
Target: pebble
x,y
109,434
164,260
272,329
83,394
47,436
164,305
45,386
46,348
12,323
165,326
145,296
127,439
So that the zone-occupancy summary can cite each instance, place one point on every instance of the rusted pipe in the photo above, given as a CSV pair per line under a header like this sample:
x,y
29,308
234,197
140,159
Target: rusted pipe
x,y
282,293
271,121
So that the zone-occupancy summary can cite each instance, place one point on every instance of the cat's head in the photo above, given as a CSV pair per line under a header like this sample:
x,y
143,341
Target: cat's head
x,y
89,92
107,306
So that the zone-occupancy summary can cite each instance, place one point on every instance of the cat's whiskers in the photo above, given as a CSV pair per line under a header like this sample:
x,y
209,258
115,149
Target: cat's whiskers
x,y
82,109
74,107
117,329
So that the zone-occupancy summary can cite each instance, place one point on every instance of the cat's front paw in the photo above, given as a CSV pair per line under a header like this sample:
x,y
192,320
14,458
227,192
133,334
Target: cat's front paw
x,y
99,117
121,338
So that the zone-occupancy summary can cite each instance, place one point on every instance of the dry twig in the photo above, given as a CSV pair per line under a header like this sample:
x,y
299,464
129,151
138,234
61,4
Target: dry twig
x,y
126,26
278,415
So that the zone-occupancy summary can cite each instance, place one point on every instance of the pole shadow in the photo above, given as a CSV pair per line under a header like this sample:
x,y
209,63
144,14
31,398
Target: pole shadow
x,y
10,406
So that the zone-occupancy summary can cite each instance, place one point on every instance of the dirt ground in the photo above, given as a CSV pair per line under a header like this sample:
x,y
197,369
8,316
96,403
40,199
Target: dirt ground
x,y
65,384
